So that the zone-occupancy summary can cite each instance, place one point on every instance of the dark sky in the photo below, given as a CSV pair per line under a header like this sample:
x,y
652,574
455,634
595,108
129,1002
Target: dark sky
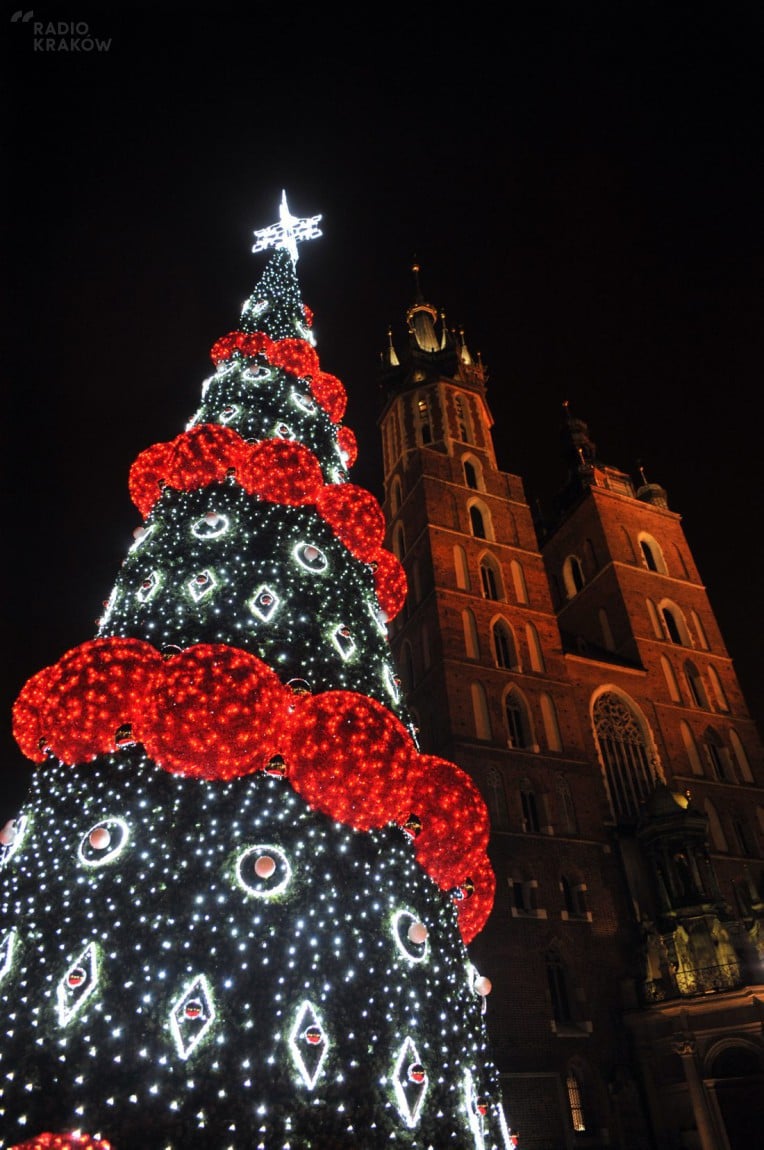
x,y
582,184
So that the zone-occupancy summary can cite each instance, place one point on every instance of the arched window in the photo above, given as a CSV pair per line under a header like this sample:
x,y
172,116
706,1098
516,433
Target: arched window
x,y
504,646
497,799
741,758
473,473
480,520
477,526
423,419
718,839
691,748
460,569
529,805
399,541
652,556
559,987
625,755
480,711
471,645
608,642
535,654
518,582
490,578
696,686
549,719
699,631
718,757
575,1102
517,718
568,818
671,683
718,689
572,575
674,624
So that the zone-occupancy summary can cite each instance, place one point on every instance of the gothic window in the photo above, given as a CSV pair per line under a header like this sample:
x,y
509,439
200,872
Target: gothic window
x,y
480,520
490,578
575,1102
741,758
671,683
471,646
551,725
566,808
715,827
423,415
497,799
535,654
460,569
518,582
652,555
530,807
696,686
504,648
559,987
572,575
517,720
675,625
691,747
473,476
699,631
718,690
480,711
718,758
625,756
399,541
607,635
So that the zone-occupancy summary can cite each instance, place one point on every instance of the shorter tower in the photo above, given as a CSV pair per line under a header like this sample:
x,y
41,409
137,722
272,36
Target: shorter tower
x,y
574,668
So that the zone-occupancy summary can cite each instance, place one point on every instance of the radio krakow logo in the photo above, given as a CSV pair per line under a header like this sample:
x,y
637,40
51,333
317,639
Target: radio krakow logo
x,y
62,35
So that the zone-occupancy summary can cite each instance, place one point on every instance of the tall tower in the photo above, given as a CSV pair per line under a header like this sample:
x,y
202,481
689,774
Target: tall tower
x,y
576,671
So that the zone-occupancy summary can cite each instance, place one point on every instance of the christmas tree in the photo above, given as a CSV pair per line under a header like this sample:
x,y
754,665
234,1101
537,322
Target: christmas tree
x,y
237,903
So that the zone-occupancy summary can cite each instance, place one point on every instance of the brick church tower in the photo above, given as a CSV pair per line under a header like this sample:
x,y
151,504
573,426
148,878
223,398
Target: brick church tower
x,y
576,670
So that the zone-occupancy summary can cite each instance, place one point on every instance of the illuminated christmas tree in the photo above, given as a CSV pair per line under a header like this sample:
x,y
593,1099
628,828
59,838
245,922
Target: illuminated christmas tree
x,y
237,903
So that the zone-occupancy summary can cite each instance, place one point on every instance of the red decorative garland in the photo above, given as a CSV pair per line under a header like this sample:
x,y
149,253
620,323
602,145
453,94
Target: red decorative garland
x,y
280,471
48,1141
217,712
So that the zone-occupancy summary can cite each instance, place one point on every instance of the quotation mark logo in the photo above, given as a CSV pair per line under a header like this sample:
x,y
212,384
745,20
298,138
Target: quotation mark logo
x,y
24,17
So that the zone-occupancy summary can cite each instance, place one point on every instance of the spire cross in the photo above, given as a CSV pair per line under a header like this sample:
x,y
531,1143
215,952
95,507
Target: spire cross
x,y
287,232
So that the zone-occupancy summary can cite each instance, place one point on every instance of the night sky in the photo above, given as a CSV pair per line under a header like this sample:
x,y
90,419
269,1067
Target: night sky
x,y
582,185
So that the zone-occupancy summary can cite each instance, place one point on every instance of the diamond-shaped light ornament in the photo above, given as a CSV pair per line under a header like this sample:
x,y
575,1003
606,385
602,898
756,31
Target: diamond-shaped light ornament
x,y
201,585
308,1043
192,1015
77,984
263,603
410,1081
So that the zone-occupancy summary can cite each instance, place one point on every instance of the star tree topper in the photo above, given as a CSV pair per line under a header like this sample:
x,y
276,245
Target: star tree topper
x,y
287,232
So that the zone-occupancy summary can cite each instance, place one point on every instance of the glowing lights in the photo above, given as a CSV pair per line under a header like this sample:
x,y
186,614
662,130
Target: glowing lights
x,y
308,1043
263,871
192,1015
11,837
7,943
410,1082
77,984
